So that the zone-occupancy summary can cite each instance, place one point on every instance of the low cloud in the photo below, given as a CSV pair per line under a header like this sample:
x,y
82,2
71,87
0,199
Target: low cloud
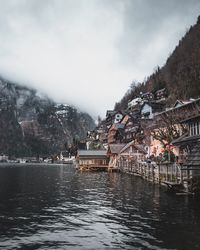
x,y
86,53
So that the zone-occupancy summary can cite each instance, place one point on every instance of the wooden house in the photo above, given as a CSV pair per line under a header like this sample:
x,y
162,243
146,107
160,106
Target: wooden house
x,y
174,121
189,153
147,96
190,139
131,151
161,94
92,159
131,129
192,163
113,154
115,133
113,116
127,121
190,169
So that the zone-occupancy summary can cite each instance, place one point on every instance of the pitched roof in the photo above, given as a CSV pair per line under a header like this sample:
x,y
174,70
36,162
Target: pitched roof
x,y
185,139
179,103
180,108
92,152
132,143
147,93
114,112
191,118
110,112
160,90
115,148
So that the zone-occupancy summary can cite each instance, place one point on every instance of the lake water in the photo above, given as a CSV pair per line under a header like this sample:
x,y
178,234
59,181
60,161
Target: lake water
x,y
55,207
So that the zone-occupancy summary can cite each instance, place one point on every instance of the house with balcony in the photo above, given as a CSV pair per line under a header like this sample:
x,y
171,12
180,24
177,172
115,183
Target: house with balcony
x,y
113,116
149,109
115,133
132,151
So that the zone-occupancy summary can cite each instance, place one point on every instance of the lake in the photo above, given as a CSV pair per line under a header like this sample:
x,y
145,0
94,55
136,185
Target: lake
x,y
56,207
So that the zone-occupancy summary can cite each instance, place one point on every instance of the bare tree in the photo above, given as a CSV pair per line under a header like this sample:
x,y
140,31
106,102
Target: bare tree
x,y
168,127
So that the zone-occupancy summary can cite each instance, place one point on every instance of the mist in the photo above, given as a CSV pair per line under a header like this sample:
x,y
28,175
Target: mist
x,y
87,52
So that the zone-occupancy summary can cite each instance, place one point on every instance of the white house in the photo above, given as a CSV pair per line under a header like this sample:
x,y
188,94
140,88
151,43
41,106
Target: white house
x,y
118,117
134,102
147,111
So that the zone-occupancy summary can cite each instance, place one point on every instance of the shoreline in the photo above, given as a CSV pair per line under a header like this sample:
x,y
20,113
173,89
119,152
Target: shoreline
x,y
14,164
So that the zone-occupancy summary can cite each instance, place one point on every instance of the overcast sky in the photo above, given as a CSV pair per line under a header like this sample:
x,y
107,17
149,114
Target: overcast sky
x,y
87,52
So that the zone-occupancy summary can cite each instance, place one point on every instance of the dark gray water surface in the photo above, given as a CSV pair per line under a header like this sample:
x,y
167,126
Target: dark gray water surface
x,y
55,207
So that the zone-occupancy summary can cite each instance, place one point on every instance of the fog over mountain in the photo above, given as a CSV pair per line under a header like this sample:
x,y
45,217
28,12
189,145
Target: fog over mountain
x,y
87,53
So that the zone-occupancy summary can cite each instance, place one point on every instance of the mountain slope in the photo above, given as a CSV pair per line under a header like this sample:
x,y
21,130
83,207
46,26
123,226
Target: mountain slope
x,y
180,75
31,124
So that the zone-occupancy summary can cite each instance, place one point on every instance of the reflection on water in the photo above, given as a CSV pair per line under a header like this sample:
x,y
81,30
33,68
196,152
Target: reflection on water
x,y
55,207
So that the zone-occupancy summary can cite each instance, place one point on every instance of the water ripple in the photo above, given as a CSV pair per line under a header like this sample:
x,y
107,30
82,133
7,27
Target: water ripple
x,y
58,208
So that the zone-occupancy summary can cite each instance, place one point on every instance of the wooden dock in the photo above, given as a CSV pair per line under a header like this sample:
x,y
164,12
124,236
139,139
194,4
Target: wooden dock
x,y
167,174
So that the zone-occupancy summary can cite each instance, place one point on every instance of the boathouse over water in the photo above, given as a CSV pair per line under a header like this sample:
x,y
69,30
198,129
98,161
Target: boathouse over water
x,y
89,159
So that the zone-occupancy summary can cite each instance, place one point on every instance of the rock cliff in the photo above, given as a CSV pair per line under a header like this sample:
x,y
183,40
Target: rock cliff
x,y
32,124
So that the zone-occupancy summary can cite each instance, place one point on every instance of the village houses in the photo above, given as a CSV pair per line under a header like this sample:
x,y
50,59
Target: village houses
x,y
149,131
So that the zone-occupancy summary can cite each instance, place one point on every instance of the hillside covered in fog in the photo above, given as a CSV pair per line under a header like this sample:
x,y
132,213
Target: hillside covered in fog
x,y
32,124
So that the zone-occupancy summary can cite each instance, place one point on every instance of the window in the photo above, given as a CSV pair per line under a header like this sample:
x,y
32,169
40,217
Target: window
x,y
194,128
197,128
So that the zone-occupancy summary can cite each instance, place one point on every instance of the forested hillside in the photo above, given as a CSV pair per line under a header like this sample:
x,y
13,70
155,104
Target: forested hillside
x,y
180,75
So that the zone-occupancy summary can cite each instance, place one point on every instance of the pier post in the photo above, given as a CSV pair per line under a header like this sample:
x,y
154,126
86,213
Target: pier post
x,y
181,176
152,169
176,173
172,167
167,172
159,172
187,179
